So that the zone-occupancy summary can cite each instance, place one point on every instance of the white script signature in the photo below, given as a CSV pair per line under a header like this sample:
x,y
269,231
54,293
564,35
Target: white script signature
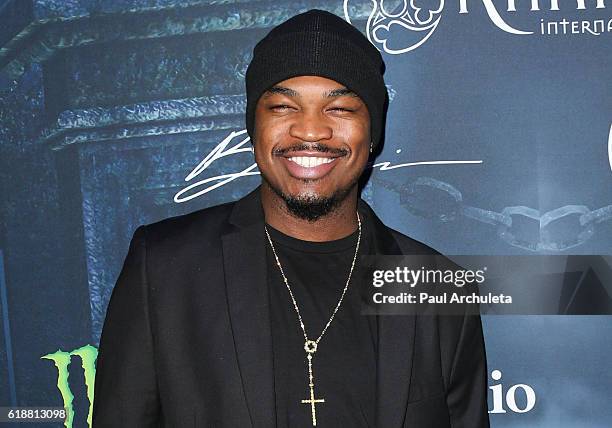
x,y
224,148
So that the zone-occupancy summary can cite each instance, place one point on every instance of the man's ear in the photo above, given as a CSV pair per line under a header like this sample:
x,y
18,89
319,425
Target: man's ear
x,y
253,146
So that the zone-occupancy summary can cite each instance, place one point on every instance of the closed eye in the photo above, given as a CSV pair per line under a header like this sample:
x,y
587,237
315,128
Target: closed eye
x,y
280,107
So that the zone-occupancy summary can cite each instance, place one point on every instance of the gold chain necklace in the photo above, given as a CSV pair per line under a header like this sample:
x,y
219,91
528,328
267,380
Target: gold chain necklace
x,y
310,346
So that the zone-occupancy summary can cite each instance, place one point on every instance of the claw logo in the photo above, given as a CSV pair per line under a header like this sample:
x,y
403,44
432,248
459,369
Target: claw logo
x,y
400,26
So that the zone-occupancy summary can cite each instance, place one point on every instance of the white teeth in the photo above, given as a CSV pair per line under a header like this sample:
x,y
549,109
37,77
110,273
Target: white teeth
x,y
309,161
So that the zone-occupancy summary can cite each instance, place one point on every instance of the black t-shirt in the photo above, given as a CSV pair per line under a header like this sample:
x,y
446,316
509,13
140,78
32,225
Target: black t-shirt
x,y
344,365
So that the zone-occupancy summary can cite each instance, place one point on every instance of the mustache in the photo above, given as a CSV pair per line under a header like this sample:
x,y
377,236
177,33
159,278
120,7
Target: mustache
x,y
316,147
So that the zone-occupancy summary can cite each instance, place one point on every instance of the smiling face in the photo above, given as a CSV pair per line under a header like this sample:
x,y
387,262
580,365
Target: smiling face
x,y
311,140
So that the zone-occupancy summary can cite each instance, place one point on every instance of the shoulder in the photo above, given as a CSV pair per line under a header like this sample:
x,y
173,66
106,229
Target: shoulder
x,y
393,241
425,253
410,245
407,245
202,226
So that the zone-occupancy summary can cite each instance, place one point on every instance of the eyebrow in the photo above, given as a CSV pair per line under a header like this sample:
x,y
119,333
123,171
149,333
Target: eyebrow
x,y
281,90
340,92
292,93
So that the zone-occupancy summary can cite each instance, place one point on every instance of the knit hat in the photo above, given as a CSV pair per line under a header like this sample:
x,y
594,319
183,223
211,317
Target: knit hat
x,y
319,43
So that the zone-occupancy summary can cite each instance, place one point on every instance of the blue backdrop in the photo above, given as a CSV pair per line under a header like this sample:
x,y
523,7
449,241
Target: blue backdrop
x,y
116,113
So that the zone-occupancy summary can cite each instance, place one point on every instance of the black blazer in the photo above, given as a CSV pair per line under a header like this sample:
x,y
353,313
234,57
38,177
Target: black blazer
x,y
187,342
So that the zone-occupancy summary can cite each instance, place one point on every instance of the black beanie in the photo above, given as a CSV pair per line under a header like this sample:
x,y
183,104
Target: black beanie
x,y
318,43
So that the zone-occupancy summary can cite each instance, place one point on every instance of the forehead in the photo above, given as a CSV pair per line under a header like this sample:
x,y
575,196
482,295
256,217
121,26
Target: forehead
x,y
301,85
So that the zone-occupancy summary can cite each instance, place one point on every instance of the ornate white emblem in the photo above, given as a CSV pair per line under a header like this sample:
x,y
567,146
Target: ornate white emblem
x,y
400,26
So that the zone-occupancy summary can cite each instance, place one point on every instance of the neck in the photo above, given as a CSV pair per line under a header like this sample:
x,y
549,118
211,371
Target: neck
x,y
337,224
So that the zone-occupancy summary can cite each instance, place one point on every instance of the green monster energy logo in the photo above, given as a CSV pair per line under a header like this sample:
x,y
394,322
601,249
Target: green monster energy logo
x,y
88,355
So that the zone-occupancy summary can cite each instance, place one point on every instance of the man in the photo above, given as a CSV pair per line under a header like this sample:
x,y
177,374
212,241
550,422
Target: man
x,y
248,313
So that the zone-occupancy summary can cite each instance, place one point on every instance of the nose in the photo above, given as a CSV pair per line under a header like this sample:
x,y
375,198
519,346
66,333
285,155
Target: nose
x,y
311,126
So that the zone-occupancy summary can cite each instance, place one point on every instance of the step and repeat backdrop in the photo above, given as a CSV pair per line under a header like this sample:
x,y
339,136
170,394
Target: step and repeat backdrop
x,y
116,113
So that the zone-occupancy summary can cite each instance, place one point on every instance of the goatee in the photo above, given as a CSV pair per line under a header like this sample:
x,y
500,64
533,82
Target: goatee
x,y
312,207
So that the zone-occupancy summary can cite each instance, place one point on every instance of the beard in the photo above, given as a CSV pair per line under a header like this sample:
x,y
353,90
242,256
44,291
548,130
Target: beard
x,y
312,207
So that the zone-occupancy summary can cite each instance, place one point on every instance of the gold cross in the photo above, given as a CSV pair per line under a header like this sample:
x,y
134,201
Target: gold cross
x,y
312,400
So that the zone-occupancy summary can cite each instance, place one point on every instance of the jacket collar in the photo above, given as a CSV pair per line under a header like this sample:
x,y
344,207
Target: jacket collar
x,y
248,213
249,313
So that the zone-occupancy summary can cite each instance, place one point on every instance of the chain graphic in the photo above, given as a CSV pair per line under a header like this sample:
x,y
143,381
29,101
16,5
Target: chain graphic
x,y
417,196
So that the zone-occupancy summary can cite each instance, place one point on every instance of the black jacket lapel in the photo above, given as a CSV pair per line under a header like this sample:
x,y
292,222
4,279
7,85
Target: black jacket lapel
x,y
247,290
246,281
396,334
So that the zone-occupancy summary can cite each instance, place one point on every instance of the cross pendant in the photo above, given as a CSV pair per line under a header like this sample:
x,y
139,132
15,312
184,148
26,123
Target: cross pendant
x,y
312,401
